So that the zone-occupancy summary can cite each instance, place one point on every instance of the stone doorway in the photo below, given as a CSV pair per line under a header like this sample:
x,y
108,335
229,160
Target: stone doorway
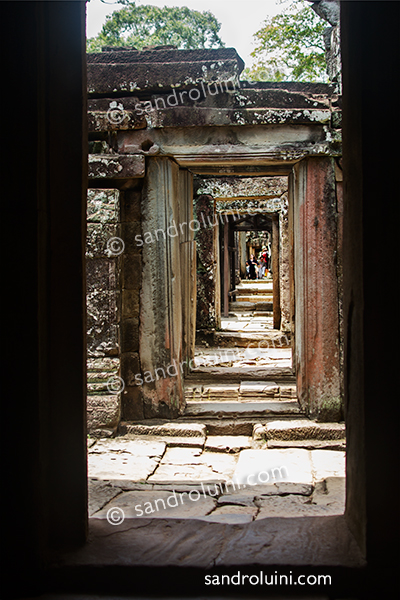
x,y
240,373
164,160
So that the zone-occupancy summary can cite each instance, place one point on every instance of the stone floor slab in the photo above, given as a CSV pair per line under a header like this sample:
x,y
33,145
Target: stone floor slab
x,y
167,542
208,466
120,466
182,456
174,474
160,505
287,507
328,463
99,494
286,467
229,519
239,499
136,446
227,443
331,493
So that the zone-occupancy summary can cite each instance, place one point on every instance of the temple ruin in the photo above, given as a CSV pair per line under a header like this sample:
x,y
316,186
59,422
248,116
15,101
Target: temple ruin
x,y
182,160
137,175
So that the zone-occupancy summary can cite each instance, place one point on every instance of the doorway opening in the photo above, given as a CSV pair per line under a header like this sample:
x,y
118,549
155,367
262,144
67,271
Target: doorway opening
x,y
244,354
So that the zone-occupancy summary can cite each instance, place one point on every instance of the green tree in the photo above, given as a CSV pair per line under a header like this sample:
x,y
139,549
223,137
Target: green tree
x,y
139,26
290,46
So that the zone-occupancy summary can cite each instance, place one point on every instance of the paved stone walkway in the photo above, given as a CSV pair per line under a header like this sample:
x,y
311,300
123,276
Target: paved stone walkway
x,y
226,479
243,357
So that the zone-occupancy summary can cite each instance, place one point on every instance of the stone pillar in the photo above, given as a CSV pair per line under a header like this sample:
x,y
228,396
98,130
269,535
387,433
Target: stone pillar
x,y
316,289
187,228
131,398
339,267
226,270
208,310
284,266
103,265
291,221
242,254
275,274
160,334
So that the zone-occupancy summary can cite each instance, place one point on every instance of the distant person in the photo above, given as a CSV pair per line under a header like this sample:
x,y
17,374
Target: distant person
x,y
253,267
265,258
262,266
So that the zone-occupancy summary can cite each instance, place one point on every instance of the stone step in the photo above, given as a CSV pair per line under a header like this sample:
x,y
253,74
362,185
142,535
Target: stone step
x,y
250,306
301,433
256,298
274,373
252,292
229,426
239,391
303,429
161,427
256,285
265,339
244,409
312,444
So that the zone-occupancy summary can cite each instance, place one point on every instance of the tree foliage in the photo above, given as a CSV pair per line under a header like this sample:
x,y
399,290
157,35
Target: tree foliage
x,y
139,26
290,46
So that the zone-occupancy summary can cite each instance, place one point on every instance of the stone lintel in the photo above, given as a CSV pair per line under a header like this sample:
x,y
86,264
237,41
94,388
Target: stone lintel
x,y
233,155
189,116
243,170
158,76
113,166
231,146
240,187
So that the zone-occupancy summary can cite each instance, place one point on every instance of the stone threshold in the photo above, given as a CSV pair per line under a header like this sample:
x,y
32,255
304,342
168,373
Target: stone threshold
x,y
318,541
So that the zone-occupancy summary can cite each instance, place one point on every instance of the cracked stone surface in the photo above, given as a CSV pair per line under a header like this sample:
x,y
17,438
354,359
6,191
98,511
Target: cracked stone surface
x,y
181,464
161,505
99,494
121,466
182,542
229,486
124,459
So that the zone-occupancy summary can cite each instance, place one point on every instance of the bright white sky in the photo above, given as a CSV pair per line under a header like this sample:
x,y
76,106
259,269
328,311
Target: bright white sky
x,y
239,19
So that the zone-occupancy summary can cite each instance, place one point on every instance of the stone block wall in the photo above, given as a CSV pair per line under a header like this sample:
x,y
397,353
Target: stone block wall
x,y
103,266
